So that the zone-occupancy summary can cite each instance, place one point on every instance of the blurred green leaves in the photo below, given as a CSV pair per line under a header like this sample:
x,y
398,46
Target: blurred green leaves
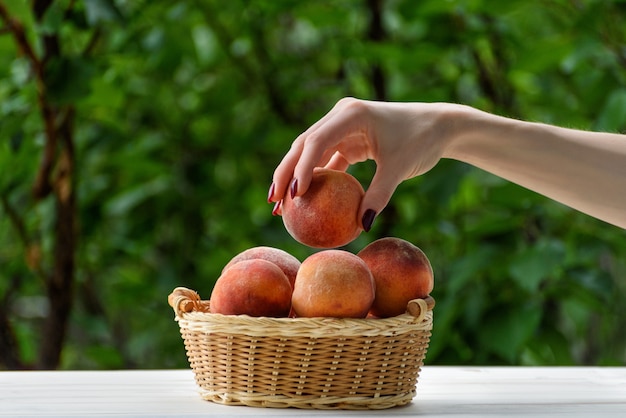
x,y
613,114
183,109
102,11
68,79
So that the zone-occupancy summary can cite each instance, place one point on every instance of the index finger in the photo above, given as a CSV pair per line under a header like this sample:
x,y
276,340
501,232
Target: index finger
x,y
284,172
321,142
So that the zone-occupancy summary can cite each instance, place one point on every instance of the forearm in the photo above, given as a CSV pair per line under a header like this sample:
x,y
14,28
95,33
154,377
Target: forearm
x,y
584,170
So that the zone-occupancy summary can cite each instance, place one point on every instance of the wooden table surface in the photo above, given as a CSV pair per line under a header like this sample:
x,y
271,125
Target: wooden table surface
x,y
441,391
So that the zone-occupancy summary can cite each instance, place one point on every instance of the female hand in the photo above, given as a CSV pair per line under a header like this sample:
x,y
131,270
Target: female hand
x,y
404,139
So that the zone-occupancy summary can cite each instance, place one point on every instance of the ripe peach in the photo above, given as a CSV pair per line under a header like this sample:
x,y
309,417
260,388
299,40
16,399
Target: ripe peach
x,y
252,287
326,216
287,262
402,272
333,283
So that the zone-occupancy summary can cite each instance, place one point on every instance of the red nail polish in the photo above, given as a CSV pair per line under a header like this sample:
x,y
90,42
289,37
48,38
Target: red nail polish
x,y
270,194
277,208
368,219
294,188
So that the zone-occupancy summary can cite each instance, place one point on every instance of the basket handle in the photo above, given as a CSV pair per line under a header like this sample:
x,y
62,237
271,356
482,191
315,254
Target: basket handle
x,y
183,300
419,307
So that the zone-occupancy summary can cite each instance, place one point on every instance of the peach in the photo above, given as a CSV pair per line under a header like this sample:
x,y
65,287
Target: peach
x,y
402,272
326,215
333,283
287,262
252,287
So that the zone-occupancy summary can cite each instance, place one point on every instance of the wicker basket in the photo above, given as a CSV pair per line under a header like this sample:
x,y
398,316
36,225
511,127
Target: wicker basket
x,y
314,363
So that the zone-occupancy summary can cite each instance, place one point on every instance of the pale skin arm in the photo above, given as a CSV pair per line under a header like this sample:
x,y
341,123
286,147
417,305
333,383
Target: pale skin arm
x,y
581,169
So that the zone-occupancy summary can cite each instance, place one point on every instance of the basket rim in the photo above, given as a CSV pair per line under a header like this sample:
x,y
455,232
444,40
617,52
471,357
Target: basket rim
x,y
184,301
192,312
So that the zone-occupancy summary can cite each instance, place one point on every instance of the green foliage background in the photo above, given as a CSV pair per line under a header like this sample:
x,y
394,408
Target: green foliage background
x,y
184,108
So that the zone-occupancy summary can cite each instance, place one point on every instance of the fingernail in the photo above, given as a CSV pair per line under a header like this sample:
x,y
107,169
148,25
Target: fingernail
x,y
270,194
368,219
294,188
276,208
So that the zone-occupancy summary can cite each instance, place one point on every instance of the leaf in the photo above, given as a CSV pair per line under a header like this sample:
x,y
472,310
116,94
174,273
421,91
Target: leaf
x,y
16,139
205,42
535,264
613,116
20,71
467,268
123,203
52,19
97,11
68,79
506,331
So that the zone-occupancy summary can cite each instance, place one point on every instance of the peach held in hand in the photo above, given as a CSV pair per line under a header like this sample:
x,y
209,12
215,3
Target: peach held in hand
x,y
402,272
252,287
287,262
333,283
326,215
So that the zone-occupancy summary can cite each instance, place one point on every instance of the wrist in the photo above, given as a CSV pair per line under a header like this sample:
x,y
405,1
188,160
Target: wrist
x,y
459,123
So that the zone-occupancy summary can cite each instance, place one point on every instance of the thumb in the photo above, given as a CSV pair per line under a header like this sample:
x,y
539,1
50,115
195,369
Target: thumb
x,y
377,196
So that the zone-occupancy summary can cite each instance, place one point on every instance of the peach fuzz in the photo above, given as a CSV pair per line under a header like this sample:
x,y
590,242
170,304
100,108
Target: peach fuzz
x,y
285,261
252,287
333,283
402,272
326,215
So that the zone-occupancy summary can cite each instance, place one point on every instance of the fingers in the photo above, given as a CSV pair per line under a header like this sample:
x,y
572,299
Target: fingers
x,y
343,124
285,180
377,196
315,147
284,173
338,162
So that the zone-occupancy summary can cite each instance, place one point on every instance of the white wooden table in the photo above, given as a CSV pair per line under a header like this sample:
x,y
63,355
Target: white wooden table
x,y
441,391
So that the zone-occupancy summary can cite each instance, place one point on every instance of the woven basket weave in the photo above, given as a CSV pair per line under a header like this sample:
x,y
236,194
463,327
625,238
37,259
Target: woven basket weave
x,y
313,363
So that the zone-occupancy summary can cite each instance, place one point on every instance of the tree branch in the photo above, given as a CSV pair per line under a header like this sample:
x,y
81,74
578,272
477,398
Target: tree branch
x,y
253,77
93,41
17,30
9,350
15,219
492,75
58,155
60,286
42,187
376,33
32,250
